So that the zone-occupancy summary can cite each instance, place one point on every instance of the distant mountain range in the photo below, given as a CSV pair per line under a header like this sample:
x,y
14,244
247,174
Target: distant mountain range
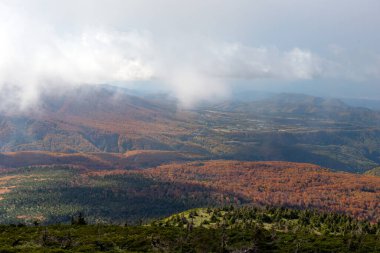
x,y
372,104
289,127
307,106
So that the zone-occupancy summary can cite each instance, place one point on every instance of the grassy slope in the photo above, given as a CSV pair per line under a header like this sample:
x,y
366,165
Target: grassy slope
x,y
374,172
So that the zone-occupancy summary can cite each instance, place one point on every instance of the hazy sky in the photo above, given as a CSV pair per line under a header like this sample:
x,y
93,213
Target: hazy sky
x,y
194,49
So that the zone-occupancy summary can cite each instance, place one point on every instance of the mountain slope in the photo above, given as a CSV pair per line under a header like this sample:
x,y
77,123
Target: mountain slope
x,y
96,120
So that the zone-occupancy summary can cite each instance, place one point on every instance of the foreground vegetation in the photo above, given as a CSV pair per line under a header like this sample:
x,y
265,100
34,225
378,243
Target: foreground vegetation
x,y
228,229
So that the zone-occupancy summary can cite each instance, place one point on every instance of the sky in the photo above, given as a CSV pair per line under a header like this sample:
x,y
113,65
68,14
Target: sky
x,y
195,50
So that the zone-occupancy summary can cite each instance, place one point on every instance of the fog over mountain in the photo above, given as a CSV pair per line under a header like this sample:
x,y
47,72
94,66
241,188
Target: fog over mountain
x,y
185,48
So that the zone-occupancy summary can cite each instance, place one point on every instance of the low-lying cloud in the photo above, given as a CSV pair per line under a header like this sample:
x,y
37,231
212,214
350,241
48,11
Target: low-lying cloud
x,y
37,59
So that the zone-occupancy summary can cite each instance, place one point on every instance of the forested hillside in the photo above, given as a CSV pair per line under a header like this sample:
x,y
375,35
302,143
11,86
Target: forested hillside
x,y
282,184
52,194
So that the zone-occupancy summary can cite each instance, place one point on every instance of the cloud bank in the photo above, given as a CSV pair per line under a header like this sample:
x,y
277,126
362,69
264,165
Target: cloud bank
x,y
39,57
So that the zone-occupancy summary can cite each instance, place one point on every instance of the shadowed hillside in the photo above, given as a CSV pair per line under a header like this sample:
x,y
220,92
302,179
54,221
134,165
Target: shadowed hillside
x,y
131,160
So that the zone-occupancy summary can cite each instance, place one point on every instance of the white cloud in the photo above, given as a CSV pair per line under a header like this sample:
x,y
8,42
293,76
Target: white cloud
x,y
35,58
239,61
39,56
